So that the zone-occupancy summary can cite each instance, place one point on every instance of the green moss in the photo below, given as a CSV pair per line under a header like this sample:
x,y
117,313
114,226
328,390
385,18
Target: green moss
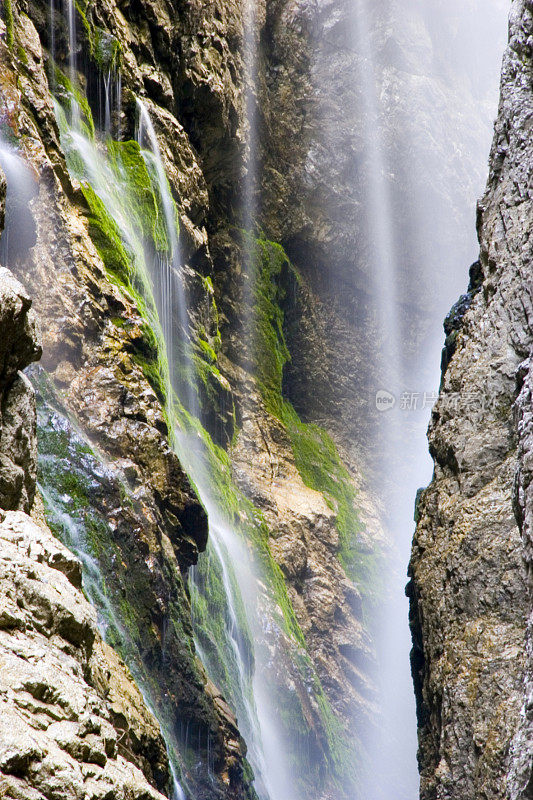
x,y
8,19
241,514
148,357
315,454
124,258
104,49
22,55
267,261
321,468
107,240
211,622
68,95
127,162
207,351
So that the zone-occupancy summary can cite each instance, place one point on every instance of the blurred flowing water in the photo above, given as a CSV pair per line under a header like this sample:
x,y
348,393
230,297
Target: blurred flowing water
x,y
414,285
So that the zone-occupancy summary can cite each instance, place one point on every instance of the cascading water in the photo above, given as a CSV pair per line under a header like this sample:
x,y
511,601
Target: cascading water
x,y
71,18
378,210
17,238
19,229
391,769
169,279
403,463
249,693
103,168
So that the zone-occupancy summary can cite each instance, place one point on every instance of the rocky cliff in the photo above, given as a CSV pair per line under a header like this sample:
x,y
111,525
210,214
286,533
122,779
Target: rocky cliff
x,y
470,568
72,720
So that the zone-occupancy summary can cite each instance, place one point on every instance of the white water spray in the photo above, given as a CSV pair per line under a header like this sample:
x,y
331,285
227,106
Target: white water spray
x,y
403,463
378,211
19,228
391,767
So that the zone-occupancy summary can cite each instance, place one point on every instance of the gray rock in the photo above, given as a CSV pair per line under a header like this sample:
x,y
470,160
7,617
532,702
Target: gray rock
x,y
20,342
60,686
470,568
19,346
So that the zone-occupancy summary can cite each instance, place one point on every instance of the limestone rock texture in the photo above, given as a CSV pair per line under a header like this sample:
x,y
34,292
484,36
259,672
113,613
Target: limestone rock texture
x,y
72,722
470,569
20,345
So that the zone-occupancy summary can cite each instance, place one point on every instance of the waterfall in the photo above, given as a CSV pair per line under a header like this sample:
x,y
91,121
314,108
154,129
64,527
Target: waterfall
x,y
18,235
378,210
169,279
247,633
226,547
74,536
251,693
403,463
391,769
71,18
99,165
16,239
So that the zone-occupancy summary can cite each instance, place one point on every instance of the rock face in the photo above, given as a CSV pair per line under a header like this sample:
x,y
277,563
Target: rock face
x,y
144,523
109,451
470,584
72,722
20,345
320,92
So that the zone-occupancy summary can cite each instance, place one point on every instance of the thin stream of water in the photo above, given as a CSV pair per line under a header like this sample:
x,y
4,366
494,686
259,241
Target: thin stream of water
x,y
169,286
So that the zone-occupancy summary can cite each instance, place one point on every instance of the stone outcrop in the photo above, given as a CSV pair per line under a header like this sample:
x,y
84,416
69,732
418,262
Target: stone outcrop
x,y
470,574
72,722
20,345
